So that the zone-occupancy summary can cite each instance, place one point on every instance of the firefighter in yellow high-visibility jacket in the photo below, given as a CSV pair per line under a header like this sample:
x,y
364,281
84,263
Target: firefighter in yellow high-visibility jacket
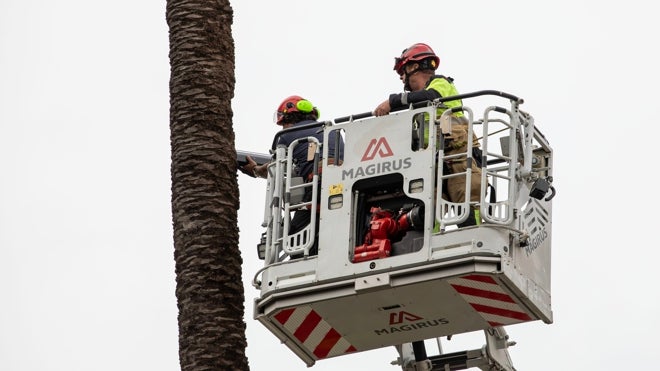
x,y
416,68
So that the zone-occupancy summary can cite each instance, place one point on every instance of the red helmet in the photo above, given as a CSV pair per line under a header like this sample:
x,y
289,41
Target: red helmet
x,y
292,104
416,53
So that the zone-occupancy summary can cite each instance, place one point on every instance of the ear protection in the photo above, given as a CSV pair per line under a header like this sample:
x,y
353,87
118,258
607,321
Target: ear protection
x,y
304,106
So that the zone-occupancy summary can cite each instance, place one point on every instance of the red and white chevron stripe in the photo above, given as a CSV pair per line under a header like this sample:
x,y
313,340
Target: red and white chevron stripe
x,y
489,300
313,332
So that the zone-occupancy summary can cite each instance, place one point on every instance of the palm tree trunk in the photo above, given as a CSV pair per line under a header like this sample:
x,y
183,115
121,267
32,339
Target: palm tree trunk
x,y
205,201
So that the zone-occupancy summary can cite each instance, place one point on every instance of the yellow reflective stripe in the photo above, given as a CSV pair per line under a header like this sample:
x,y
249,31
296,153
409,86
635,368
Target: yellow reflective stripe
x,y
446,89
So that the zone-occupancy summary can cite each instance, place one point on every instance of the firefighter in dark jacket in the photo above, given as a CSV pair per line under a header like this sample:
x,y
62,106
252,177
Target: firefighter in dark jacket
x,y
295,111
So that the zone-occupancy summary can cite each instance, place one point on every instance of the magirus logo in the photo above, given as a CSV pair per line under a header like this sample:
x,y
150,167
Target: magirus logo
x,y
377,147
381,148
399,317
403,321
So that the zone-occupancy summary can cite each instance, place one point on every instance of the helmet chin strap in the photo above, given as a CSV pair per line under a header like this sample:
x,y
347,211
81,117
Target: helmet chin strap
x,y
406,82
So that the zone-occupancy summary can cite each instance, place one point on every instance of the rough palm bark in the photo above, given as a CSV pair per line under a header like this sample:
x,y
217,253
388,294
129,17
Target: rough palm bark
x,y
209,287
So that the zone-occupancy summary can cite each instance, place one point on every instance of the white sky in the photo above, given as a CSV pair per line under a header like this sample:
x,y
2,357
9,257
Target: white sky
x,y
86,253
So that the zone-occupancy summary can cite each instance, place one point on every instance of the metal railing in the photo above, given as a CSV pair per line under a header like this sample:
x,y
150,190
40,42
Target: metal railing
x,y
281,188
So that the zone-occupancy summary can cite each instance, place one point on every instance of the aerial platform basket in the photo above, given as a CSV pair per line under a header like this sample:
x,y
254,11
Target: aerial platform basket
x,y
432,279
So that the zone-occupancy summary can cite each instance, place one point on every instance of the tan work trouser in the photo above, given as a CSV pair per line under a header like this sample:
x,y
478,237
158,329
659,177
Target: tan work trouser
x,y
458,144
